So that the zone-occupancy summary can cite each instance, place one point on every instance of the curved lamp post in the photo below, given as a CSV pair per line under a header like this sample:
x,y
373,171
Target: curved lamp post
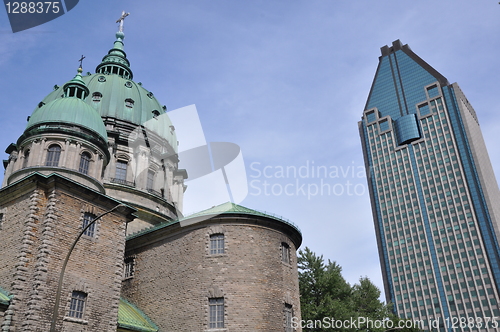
x,y
61,276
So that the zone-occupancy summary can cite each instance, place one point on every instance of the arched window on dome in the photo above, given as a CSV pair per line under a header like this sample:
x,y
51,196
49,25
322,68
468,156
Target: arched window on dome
x,y
96,97
84,163
53,154
26,158
129,103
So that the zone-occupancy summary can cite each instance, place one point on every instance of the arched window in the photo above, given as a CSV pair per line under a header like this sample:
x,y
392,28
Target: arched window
x,y
129,103
53,154
84,163
26,158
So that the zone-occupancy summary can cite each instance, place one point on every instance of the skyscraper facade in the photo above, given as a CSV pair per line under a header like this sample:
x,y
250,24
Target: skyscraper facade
x,y
434,196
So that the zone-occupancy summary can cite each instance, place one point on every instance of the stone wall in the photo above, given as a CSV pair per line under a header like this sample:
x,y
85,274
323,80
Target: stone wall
x,y
15,212
49,217
175,275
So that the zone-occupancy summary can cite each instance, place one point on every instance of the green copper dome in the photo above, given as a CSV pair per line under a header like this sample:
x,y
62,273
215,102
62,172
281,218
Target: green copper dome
x,y
113,94
68,110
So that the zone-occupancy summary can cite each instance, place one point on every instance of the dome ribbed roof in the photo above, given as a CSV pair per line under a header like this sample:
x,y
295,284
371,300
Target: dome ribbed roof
x,y
115,91
69,110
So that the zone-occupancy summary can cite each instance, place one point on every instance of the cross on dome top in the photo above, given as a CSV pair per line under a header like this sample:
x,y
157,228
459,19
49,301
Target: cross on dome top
x,y
121,19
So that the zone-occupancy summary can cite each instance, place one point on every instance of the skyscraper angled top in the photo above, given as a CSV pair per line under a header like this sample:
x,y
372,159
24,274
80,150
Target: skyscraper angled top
x,y
432,191
397,86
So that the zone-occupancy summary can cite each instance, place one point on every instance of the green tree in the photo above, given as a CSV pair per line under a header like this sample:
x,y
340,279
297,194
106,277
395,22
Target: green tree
x,y
325,293
323,290
365,300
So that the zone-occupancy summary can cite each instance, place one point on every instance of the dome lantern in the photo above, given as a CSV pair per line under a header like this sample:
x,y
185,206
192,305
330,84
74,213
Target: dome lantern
x,y
76,87
116,62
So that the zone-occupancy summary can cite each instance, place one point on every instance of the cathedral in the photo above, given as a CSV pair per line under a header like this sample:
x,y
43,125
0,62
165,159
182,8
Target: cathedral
x,y
92,231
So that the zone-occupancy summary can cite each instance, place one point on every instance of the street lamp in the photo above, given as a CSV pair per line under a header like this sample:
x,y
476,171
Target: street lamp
x,y
61,276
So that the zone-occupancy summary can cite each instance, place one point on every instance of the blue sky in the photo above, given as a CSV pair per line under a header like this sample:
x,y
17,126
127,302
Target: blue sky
x,y
285,80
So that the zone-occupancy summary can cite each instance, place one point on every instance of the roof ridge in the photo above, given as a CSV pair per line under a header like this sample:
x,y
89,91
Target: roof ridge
x,y
218,210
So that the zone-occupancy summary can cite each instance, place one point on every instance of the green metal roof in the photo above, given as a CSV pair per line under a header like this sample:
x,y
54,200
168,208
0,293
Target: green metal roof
x,y
132,318
4,297
116,57
229,207
78,83
225,208
70,110
116,89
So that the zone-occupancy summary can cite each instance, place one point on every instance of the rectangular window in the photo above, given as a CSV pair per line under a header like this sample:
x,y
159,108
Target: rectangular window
x,y
433,91
285,253
87,219
424,109
121,170
288,313
129,268
26,158
77,304
371,117
384,125
216,312
151,176
216,244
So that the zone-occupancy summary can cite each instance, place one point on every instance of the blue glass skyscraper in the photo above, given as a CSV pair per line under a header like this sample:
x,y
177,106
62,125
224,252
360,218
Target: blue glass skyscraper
x,y
434,196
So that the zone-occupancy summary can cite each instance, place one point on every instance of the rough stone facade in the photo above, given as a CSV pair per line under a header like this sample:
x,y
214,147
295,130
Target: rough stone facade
x,y
42,218
175,274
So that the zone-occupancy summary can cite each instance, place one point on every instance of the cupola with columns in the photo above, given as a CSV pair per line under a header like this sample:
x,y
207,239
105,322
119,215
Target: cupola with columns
x,y
109,133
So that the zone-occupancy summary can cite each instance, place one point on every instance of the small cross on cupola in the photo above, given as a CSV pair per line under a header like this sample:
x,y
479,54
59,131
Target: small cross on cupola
x,y
81,61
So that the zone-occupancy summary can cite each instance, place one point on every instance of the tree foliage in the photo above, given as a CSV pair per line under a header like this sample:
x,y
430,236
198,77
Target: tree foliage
x,y
324,293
